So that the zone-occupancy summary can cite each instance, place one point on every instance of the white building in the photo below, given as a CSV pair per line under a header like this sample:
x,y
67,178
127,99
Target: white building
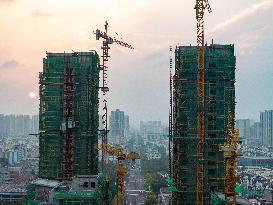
x,y
17,154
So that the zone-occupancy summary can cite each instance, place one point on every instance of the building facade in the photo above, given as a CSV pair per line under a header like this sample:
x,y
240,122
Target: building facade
x,y
119,127
153,132
16,125
266,120
17,154
219,101
68,115
151,127
244,126
255,132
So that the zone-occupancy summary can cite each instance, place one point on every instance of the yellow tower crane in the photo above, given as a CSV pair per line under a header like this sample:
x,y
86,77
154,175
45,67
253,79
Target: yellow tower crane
x,y
106,42
230,153
200,7
121,155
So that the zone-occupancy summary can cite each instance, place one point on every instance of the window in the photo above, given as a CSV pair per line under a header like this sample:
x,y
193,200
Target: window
x,y
212,65
93,184
211,154
211,171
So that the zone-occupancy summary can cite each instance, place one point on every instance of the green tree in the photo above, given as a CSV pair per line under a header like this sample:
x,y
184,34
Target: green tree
x,y
150,199
154,181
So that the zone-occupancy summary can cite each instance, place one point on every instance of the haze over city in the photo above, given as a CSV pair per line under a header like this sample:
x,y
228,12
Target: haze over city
x,y
138,79
136,102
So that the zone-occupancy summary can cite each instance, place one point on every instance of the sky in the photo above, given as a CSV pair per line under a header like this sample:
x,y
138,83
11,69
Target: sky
x,y
138,79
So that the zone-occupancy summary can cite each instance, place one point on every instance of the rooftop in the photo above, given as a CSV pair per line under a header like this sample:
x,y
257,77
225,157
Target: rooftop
x,y
46,183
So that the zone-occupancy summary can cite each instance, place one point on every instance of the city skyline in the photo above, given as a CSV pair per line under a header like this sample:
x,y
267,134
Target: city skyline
x,y
136,102
139,78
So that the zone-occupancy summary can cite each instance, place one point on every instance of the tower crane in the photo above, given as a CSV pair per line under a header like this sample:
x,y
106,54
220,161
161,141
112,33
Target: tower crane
x,y
230,154
200,7
107,41
121,155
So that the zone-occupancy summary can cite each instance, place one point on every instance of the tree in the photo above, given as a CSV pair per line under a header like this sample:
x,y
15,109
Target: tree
x,y
150,199
154,181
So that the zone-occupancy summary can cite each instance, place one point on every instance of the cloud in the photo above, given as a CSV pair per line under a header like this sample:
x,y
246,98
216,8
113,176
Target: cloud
x,y
7,1
243,14
40,13
9,64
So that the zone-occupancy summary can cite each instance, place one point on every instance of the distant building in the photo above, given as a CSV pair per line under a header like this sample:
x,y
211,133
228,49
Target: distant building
x,y
126,126
244,126
151,127
2,126
17,154
34,124
4,175
256,161
119,127
11,194
152,153
266,120
17,125
153,133
255,132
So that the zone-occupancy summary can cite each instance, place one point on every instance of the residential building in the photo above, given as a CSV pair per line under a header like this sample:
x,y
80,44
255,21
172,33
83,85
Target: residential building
x,y
151,127
68,115
266,120
119,127
18,125
244,125
219,100
255,132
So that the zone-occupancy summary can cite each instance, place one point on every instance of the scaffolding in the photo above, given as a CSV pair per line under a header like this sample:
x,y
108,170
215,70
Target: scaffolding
x,y
219,98
76,198
68,115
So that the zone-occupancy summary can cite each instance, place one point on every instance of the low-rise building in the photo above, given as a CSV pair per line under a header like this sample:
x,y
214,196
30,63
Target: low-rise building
x,y
11,194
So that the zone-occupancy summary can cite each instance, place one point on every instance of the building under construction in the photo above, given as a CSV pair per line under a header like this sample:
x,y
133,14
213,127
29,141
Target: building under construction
x,y
219,101
68,122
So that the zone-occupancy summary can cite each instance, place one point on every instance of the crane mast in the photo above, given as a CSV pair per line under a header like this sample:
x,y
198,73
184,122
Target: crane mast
x,y
200,7
230,154
171,117
121,155
107,41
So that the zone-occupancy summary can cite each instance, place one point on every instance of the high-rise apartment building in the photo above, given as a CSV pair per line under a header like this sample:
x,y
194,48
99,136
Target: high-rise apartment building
x,y
68,115
244,125
152,132
266,120
35,124
255,132
17,125
219,101
119,127
151,127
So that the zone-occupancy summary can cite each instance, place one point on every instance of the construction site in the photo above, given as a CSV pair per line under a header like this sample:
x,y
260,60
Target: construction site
x,y
68,123
74,152
68,117
219,92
